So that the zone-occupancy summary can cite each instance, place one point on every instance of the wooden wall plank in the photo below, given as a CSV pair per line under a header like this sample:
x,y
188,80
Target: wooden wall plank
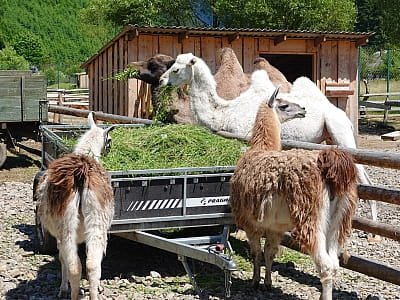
x,y
121,83
188,45
208,52
132,83
110,95
248,54
167,45
104,83
289,46
237,47
115,83
263,45
91,77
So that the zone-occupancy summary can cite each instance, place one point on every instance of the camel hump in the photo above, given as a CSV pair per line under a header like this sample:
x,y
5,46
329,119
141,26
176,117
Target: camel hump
x,y
338,169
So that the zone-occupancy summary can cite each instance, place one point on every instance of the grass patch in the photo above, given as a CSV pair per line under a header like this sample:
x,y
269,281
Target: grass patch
x,y
170,146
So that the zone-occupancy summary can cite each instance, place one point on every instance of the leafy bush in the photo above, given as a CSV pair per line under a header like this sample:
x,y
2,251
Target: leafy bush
x,y
10,60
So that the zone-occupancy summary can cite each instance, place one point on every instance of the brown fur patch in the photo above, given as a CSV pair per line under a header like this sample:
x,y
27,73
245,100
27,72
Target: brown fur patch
x,y
266,125
291,174
68,175
340,173
274,74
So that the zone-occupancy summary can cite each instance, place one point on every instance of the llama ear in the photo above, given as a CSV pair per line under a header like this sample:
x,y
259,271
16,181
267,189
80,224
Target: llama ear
x,y
109,129
271,101
91,119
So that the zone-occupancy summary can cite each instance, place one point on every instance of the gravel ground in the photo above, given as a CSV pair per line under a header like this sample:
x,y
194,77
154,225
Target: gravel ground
x,y
134,271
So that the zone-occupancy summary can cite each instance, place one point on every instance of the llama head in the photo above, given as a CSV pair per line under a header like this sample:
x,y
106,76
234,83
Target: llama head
x,y
95,142
285,110
181,72
151,70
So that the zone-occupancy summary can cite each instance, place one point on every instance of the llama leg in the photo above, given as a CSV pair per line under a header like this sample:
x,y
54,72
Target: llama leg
x,y
271,247
63,293
69,254
255,251
93,267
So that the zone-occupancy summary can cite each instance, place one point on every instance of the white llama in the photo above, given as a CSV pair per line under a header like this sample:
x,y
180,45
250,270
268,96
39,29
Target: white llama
x,y
311,193
76,205
323,121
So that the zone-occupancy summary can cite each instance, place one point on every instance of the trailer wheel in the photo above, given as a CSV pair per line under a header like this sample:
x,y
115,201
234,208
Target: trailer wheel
x,y
3,153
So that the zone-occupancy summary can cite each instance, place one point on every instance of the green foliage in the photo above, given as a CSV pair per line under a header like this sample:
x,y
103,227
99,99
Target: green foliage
x,y
164,103
290,14
127,73
143,12
29,46
10,60
277,14
52,30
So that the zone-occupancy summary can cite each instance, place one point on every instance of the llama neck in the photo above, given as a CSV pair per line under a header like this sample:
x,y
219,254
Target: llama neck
x,y
208,108
89,145
266,131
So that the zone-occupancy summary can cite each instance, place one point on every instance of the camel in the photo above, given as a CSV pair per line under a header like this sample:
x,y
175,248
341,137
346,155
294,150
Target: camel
x,y
323,122
311,193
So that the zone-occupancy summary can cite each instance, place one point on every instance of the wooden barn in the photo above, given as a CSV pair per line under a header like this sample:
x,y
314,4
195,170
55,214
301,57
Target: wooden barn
x,y
330,59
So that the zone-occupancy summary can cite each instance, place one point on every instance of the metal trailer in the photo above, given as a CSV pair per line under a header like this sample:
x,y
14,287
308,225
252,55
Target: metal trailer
x,y
151,200
23,107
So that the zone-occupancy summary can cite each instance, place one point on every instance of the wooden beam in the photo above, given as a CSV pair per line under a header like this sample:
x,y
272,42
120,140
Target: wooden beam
x,y
99,115
386,230
279,39
319,40
366,157
132,34
182,36
369,192
361,41
358,264
233,37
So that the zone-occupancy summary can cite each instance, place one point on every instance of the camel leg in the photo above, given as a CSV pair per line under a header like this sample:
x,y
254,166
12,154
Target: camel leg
x,y
69,253
255,251
271,247
363,178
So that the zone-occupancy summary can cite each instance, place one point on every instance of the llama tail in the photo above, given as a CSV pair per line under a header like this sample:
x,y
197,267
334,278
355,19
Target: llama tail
x,y
339,172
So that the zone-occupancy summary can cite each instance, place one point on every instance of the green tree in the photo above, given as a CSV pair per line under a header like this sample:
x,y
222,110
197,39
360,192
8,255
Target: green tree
x,y
143,12
30,47
331,15
276,14
10,60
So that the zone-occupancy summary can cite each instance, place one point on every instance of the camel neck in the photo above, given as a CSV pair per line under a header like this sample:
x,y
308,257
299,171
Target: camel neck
x,y
266,131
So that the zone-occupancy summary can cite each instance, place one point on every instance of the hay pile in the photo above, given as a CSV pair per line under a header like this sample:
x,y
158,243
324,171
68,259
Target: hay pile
x,y
169,146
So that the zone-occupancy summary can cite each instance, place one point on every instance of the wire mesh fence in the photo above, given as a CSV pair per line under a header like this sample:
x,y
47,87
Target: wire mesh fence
x,y
379,70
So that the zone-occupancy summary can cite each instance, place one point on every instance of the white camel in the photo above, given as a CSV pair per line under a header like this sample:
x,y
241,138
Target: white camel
x,y
323,121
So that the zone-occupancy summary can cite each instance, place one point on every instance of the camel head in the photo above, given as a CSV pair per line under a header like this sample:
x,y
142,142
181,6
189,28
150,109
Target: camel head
x,y
285,109
181,72
151,70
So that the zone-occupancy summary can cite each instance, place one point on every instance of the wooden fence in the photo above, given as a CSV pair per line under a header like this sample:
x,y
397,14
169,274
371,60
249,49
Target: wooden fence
x,y
373,158
75,98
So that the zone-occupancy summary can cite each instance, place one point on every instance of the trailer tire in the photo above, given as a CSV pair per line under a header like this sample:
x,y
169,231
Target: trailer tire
x,y
3,153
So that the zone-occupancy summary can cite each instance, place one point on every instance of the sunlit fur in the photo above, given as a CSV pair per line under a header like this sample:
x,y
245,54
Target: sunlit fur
x,y
313,194
76,205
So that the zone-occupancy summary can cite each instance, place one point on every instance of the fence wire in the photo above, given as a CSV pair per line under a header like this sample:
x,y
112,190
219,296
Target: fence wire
x,y
379,70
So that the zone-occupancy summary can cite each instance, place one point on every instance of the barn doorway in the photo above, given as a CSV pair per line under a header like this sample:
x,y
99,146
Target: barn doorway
x,y
292,65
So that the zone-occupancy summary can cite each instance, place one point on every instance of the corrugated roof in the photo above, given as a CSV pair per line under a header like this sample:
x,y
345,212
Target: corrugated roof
x,y
361,37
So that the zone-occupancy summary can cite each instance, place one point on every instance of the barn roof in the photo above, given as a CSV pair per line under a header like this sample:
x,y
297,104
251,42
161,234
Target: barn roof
x,y
279,35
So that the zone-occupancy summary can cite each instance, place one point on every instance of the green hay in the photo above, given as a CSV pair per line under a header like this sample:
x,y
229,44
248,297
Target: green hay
x,y
169,146
127,73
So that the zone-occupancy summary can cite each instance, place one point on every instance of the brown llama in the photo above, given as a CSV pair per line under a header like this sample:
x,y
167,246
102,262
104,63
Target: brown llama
x,y
311,193
76,205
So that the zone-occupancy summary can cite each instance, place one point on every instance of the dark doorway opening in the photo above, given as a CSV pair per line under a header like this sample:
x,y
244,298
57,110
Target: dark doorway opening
x,y
292,65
